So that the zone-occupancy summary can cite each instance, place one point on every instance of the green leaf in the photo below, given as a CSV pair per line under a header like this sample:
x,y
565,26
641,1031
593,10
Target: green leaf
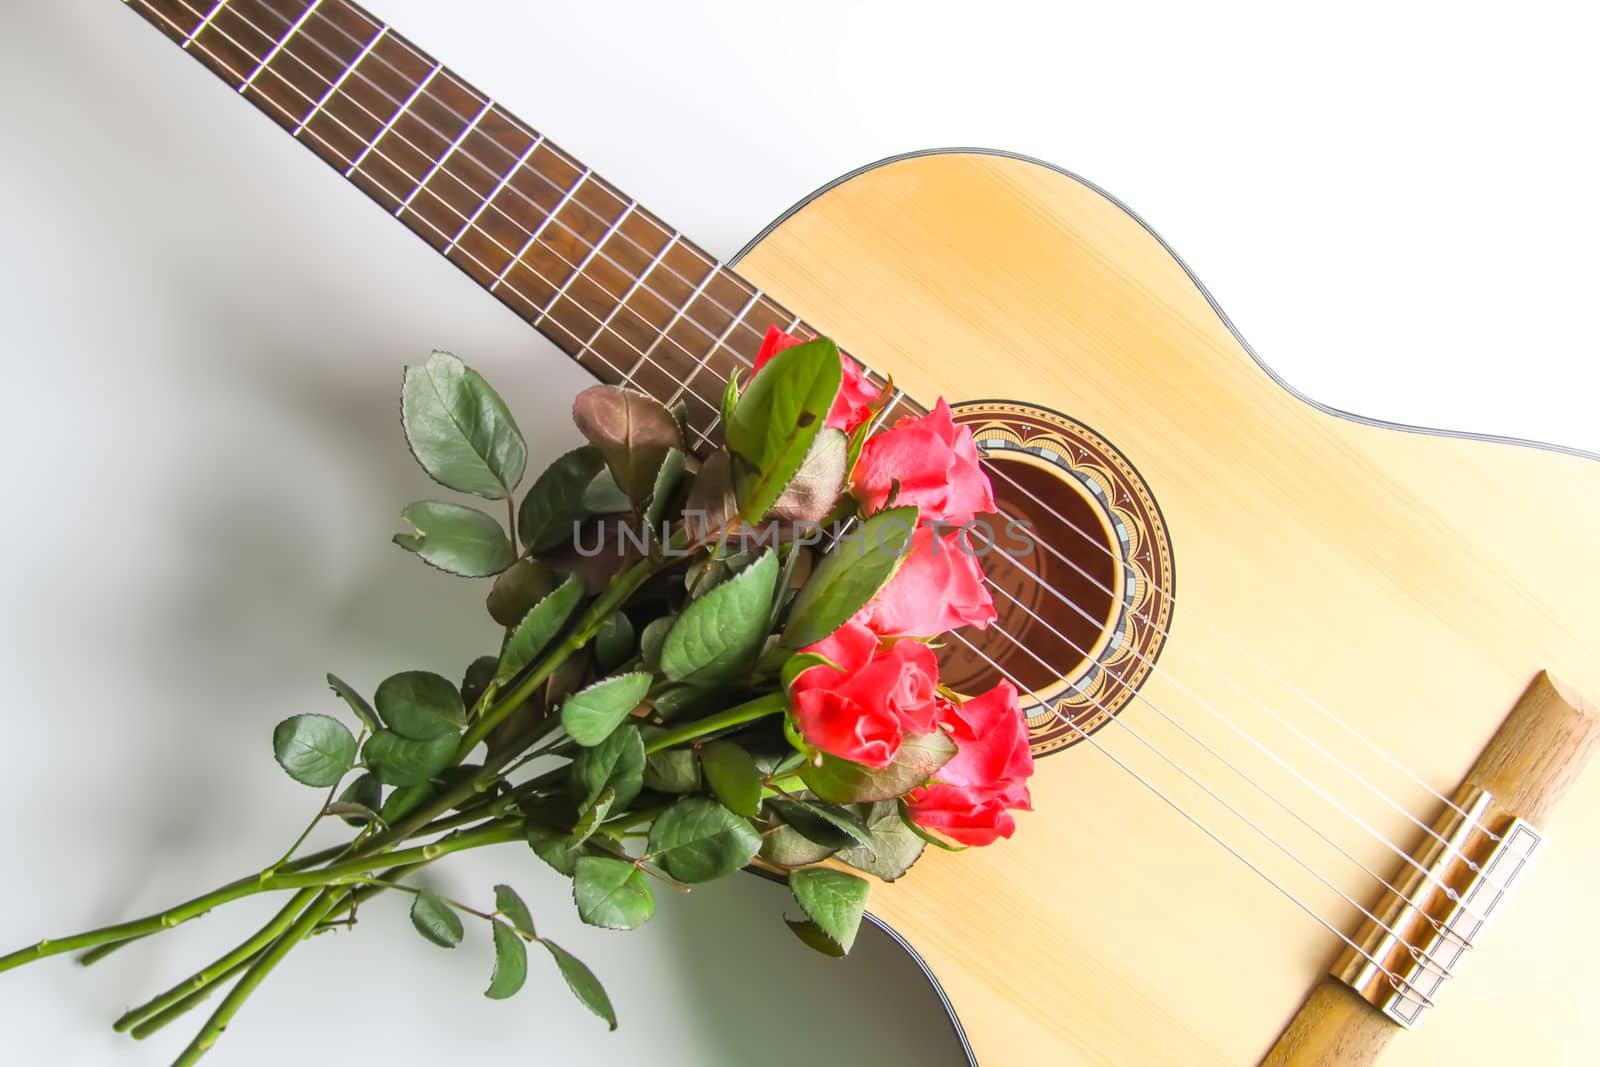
x,y
356,701
811,496
834,901
612,893
359,802
314,749
584,985
436,920
894,847
510,963
476,680
718,637
592,713
603,497
730,396
459,428
652,638
402,761
665,487
733,777
777,419
456,539
517,589
675,770
616,763
697,840
420,705
784,846
554,847
711,503
555,502
593,815
825,824
849,576
842,782
813,935
613,642
403,801
632,431
509,904
539,627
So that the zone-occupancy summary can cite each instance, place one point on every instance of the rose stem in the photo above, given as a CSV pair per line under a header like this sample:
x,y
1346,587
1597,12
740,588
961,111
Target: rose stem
x,y
760,707
184,997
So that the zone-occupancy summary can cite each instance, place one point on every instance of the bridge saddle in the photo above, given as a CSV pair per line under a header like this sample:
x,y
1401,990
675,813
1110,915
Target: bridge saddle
x,y
1460,876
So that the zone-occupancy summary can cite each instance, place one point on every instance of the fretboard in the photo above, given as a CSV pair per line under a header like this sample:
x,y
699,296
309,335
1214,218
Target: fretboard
x,y
621,292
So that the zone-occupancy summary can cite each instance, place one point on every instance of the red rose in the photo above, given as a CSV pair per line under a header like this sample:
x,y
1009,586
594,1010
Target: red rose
x,y
969,798
938,587
878,694
852,405
934,463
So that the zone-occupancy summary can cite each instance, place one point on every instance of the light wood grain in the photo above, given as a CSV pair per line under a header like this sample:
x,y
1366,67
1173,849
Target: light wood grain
x,y
1414,583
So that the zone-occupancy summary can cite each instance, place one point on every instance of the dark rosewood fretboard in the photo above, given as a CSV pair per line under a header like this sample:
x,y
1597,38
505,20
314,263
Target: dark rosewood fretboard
x,y
618,290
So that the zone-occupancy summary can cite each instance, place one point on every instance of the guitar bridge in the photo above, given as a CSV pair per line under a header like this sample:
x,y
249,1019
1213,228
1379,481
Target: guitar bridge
x,y
1448,892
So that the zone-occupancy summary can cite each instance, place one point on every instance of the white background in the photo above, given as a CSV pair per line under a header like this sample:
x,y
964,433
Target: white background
x,y
202,464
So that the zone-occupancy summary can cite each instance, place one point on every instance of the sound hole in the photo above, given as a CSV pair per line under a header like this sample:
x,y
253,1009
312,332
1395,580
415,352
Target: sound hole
x,y
1055,616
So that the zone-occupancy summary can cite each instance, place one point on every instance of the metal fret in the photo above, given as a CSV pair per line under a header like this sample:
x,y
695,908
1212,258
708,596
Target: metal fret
x,y
198,30
677,317
387,126
448,152
605,323
539,229
337,82
721,339
272,54
499,186
588,258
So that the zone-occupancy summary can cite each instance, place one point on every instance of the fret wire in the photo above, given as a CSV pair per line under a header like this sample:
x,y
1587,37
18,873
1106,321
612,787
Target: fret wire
x,y
667,329
700,363
555,150
627,296
559,153
543,225
189,38
389,125
334,149
588,258
681,315
478,211
333,86
448,152
281,41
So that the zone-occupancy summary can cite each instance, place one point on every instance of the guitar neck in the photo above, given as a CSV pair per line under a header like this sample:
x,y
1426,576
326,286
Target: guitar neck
x,y
628,297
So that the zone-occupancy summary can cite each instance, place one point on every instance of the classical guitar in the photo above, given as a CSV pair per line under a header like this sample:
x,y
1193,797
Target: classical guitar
x,y
1285,669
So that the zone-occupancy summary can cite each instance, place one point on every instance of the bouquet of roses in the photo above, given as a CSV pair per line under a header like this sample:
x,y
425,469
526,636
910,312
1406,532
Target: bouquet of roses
x,y
709,662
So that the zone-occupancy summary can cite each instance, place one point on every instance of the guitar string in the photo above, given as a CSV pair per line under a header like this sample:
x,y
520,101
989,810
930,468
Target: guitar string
x,y
715,266
1366,742
1141,695
1123,724
372,150
1395,980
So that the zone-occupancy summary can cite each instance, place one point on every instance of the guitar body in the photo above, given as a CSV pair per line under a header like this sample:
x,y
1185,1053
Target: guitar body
x,y
1416,582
